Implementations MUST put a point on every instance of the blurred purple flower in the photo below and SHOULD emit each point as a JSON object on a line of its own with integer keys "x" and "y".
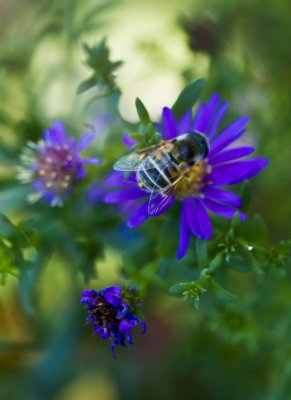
{"x": 199, "y": 191}
{"x": 111, "y": 316}
{"x": 53, "y": 165}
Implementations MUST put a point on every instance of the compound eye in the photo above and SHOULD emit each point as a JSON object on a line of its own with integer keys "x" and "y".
{"x": 201, "y": 145}
{"x": 185, "y": 151}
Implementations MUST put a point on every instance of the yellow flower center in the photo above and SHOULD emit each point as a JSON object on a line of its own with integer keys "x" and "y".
{"x": 193, "y": 180}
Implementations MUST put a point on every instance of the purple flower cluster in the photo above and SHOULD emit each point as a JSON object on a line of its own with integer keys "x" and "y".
{"x": 200, "y": 190}
{"x": 53, "y": 165}
{"x": 111, "y": 316}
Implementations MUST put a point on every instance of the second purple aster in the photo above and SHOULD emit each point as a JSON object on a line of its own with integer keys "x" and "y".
{"x": 191, "y": 165}
{"x": 53, "y": 165}
{"x": 111, "y": 315}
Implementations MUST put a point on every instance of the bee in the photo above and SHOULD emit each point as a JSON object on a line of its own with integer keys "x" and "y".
{"x": 161, "y": 167}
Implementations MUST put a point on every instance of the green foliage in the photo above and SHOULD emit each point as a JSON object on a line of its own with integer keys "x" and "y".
{"x": 13, "y": 243}
{"x": 235, "y": 342}
{"x": 103, "y": 70}
{"x": 142, "y": 112}
{"x": 280, "y": 256}
{"x": 146, "y": 134}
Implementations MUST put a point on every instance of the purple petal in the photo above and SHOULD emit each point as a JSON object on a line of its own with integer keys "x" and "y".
{"x": 222, "y": 196}
{"x": 237, "y": 171}
{"x": 128, "y": 337}
{"x": 201, "y": 119}
{"x": 222, "y": 209}
{"x": 231, "y": 154}
{"x": 59, "y": 127}
{"x": 103, "y": 332}
{"x": 123, "y": 310}
{"x": 87, "y": 295}
{"x": 49, "y": 137}
{"x": 80, "y": 172}
{"x": 142, "y": 324}
{"x": 203, "y": 219}
{"x": 185, "y": 234}
{"x": 91, "y": 160}
{"x": 139, "y": 216}
{"x": 217, "y": 119}
{"x": 84, "y": 141}
{"x": 127, "y": 325}
{"x": 231, "y": 133}
{"x": 124, "y": 195}
{"x": 212, "y": 109}
{"x": 56, "y": 134}
{"x": 169, "y": 123}
{"x": 192, "y": 218}
{"x": 128, "y": 141}
{"x": 212, "y": 103}
{"x": 116, "y": 178}
{"x": 205, "y": 114}
{"x": 184, "y": 125}
{"x": 112, "y": 295}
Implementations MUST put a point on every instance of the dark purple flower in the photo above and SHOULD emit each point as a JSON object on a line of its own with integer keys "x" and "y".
{"x": 200, "y": 191}
{"x": 53, "y": 165}
{"x": 111, "y": 316}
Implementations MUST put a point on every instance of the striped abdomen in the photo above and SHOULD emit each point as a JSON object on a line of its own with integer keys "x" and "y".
{"x": 158, "y": 172}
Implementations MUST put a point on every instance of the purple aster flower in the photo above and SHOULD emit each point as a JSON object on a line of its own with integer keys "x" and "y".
{"x": 53, "y": 165}
{"x": 199, "y": 191}
{"x": 111, "y": 316}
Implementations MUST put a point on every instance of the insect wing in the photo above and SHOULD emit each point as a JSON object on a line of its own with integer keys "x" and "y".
{"x": 159, "y": 201}
{"x": 130, "y": 162}
{"x": 137, "y": 160}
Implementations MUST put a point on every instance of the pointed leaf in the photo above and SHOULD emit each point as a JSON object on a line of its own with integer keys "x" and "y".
{"x": 142, "y": 112}
{"x": 87, "y": 84}
{"x": 201, "y": 253}
{"x": 188, "y": 97}
{"x": 222, "y": 293}
{"x": 177, "y": 289}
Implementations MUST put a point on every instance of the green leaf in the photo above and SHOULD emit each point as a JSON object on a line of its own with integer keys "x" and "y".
{"x": 147, "y": 135}
{"x": 235, "y": 222}
{"x": 142, "y": 112}
{"x": 177, "y": 289}
{"x": 221, "y": 293}
{"x": 7, "y": 261}
{"x": 196, "y": 303}
{"x": 216, "y": 262}
{"x": 102, "y": 68}
{"x": 201, "y": 253}
{"x": 188, "y": 97}
{"x": 6, "y": 227}
{"x": 136, "y": 136}
{"x": 86, "y": 85}
{"x": 246, "y": 195}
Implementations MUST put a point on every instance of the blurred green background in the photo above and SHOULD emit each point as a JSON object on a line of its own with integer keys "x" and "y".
{"x": 221, "y": 352}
